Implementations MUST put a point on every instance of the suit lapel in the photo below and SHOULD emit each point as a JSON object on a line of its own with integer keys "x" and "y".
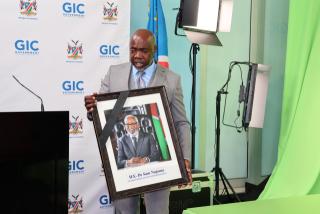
{"x": 159, "y": 77}
{"x": 123, "y": 78}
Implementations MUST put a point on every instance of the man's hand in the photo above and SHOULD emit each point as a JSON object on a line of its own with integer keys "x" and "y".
{"x": 90, "y": 102}
{"x": 189, "y": 174}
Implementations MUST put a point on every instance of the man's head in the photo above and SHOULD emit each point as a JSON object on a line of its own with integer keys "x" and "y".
{"x": 142, "y": 48}
{"x": 132, "y": 124}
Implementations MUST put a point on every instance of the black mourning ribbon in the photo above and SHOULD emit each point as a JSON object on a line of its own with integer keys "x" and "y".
{"x": 112, "y": 119}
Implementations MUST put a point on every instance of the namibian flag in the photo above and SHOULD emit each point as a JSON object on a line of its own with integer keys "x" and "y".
{"x": 159, "y": 132}
{"x": 157, "y": 25}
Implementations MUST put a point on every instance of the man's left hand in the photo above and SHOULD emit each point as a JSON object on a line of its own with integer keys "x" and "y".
{"x": 189, "y": 174}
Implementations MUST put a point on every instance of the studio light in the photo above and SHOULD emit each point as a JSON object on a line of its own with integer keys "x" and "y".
{"x": 202, "y": 19}
{"x": 256, "y": 95}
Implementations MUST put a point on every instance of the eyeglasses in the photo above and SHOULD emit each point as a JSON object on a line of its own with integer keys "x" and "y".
{"x": 131, "y": 124}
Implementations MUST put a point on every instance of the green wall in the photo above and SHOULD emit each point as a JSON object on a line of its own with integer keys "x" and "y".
{"x": 268, "y": 47}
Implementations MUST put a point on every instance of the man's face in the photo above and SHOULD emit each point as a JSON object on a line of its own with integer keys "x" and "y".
{"x": 141, "y": 52}
{"x": 132, "y": 126}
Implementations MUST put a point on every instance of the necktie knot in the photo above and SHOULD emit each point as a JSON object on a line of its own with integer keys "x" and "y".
{"x": 140, "y": 82}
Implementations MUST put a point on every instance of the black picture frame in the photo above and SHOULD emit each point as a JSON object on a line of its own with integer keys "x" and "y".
{"x": 159, "y": 146}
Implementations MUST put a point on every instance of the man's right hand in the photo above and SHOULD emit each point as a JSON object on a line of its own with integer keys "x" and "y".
{"x": 90, "y": 102}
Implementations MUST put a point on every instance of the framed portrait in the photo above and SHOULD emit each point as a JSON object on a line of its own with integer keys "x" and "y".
{"x": 141, "y": 152}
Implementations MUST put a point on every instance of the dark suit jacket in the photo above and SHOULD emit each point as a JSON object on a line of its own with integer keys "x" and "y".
{"x": 146, "y": 147}
{"x": 118, "y": 78}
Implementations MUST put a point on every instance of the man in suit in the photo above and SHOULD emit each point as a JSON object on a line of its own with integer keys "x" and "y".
{"x": 136, "y": 147}
{"x": 142, "y": 71}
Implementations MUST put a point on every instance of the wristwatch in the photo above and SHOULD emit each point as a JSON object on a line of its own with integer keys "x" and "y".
{"x": 146, "y": 160}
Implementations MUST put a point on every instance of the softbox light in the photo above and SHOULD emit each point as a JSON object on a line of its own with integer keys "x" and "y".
{"x": 201, "y": 19}
{"x": 256, "y": 95}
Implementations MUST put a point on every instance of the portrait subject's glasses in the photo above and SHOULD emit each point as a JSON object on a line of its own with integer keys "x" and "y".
{"x": 131, "y": 124}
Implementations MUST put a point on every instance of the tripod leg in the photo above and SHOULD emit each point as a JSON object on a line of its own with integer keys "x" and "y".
{"x": 215, "y": 196}
{"x": 216, "y": 182}
{"x": 224, "y": 179}
{"x": 224, "y": 183}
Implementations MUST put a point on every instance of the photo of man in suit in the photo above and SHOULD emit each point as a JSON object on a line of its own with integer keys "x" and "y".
{"x": 136, "y": 147}
{"x": 141, "y": 72}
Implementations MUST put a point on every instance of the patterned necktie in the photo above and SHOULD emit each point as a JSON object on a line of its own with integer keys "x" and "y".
{"x": 134, "y": 139}
{"x": 140, "y": 81}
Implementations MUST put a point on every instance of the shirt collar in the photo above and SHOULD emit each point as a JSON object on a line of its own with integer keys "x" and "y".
{"x": 148, "y": 71}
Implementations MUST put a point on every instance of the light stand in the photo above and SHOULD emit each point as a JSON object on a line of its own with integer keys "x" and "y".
{"x": 217, "y": 170}
{"x": 200, "y": 25}
{"x": 195, "y": 48}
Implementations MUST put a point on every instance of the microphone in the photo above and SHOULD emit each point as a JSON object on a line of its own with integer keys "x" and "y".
{"x": 42, "y": 107}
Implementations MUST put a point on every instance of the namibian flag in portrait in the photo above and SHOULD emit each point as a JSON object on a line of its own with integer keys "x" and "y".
{"x": 161, "y": 138}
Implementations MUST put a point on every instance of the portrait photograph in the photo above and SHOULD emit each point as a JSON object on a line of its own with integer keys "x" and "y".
{"x": 141, "y": 152}
{"x": 138, "y": 132}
